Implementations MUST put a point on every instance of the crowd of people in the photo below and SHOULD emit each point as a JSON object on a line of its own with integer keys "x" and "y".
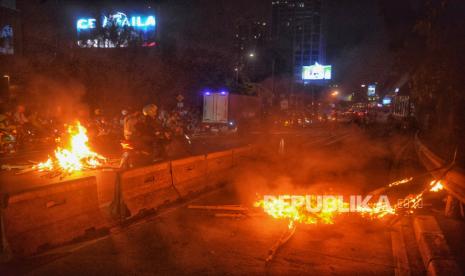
{"x": 21, "y": 125}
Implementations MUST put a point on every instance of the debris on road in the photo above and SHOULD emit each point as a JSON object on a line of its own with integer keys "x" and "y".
{"x": 220, "y": 207}
{"x": 285, "y": 237}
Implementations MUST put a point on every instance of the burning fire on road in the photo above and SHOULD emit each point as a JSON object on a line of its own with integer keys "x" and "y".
{"x": 323, "y": 209}
{"x": 77, "y": 156}
{"x": 314, "y": 209}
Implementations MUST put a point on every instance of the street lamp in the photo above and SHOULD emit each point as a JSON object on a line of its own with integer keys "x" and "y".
{"x": 8, "y": 78}
{"x": 335, "y": 93}
{"x": 251, "y": 55}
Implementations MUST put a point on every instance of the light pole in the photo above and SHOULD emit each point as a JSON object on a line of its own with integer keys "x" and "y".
{"x": 8, "y": 79}
{"x": 273, "y": 64}
{"x": 251, "y": 57}
{"x": 236, "y": 69}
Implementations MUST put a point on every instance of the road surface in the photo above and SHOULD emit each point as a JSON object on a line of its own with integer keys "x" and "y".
{"x": 179, "y": 240}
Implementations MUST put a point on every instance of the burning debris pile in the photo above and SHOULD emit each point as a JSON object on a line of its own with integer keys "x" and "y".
{"x": 320, "y": 209}
{"x": 324, "y": 209}
{"x": 76, "y": 156}
{"x": 300, "y": 209}
{"x": 313, "y": 210}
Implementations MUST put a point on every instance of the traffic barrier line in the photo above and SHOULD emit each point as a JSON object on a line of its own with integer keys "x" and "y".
{"x": 189, "y": 175}
{"x": 435, "y": 252}
{"x": 219, "y": 166}
{"x": 399, "y": 251}
{"x": 106, "y": 189}
{"x": 146, "y": 189}
{"x": 59, "y": 213}
{"x": 52, "y": 215}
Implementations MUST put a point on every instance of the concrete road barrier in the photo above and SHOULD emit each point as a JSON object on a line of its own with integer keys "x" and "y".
{"x": 42, "y": 215}
{"x": 189, "y": 174}
{"x": 434, "y": 250}
{"x": 219, "y": 166}
{"x": 106, "y": 190}
{"x": 147, "y": 188}
{"x": 51, "y": 215}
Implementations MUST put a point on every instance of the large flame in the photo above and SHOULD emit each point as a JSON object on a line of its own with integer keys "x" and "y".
{"x": 76, "y": 157}
{"x": 436, "y": 186}
{"x": 279, "y": 208}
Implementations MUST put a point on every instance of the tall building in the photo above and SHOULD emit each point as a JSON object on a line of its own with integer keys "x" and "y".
{"x": 9, "y": 43}
{"x": 251, "y": 38}
{"x": 297, "y": 33}
{"x": 9, "y": 27}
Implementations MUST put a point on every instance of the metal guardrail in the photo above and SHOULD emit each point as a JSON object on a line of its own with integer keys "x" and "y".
{"x": 453, "y": 175}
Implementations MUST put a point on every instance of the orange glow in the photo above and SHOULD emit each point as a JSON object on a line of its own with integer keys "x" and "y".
{"x": 76, "y": 157}
{"x": 294, "y": 209}
{"x": 125, "y": 145}
{"x": 436, "y": 186}
{"x": 400, "y": 182}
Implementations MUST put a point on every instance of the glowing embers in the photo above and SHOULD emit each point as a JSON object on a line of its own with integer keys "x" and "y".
{"x": 76, "y": 157}
{"x": 314, "y": 209}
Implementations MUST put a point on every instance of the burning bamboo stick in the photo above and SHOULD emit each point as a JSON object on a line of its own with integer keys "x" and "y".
{"x": 219, "y": 207}
{"x": 228, "y": 215}
{"x": 285, "y": 237}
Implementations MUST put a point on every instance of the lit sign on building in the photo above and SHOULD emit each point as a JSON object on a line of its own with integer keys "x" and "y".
{"x": 119, "y": 19}
{"x": 6, "y": 40}
{"x": 371, "y": 90}
{"x": 316, "y": 72}
{"x": 387, "y": 101}
{"x": 116, "y": 30}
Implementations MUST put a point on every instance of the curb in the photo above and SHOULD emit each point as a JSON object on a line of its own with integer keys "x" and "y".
{"x": 435, "y": 252}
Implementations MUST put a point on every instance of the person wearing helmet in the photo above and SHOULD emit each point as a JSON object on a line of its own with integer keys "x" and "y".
{"x": 150, "y": 111}
{"x": 130, "y": 125}
{"x": 122, "y": 117}
{"x": 153, "y": 129}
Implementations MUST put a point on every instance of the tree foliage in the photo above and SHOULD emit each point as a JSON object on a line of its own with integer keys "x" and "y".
{"x": 431, "y": 47}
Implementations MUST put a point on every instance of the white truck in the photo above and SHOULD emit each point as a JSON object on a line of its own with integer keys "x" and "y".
{"x": 225, "y": 110}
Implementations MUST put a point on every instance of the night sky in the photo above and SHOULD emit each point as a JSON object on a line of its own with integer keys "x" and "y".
{"x": 355, "y": 35}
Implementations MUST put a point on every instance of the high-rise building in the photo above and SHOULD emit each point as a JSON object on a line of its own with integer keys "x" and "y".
{"x": 297, "y": 33}
{"x": 251, "y": 38}
{"x": 9, "y": 27}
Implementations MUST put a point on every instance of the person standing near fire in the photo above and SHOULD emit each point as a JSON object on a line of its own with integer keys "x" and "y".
{"x": 145, "y": 135}
{"x": 154, "y": 131}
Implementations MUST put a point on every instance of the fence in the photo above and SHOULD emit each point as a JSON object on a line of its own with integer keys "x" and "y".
{"x": 58, "y": 213}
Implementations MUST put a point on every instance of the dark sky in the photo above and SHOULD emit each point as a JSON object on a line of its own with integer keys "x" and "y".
{"x": 355, "y": 36}
{"x": 357, "y": 41}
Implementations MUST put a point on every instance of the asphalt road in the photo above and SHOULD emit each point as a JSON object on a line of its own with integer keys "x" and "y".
{"x": 179, "y": 240}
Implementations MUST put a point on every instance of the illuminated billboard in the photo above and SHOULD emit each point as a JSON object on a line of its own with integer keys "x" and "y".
{"x": 316, "y": 72}
{"x": 6, "y": 40}
{"x": 371, "y": 90}
{"x": 117, "y": 30}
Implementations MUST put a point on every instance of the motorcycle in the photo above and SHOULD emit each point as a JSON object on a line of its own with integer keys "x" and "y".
{"x": 133, "y": 156}
{"x": 8, "y": 142}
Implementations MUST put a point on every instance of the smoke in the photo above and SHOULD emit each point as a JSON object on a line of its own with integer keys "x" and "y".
{"x": 57, "y": 98}
{"x": 356, "y": 164}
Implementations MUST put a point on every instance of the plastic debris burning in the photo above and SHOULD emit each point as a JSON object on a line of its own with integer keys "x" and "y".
{"x": 76, "y": 157}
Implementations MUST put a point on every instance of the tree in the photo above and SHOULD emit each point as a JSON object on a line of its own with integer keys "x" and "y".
{"x": 430, "y": 46}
